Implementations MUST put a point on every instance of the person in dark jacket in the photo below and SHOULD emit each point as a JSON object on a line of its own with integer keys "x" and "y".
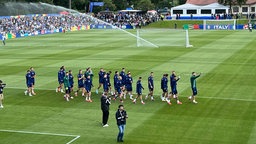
{"x": 105, "y": 102}
{"x": 121, "y": 117}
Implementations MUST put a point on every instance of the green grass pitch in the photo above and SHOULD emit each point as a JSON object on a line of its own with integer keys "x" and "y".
{"x": 225, "y": 113}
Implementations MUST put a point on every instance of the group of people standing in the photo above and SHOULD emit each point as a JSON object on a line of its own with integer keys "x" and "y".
{"x": 123, "y": 85}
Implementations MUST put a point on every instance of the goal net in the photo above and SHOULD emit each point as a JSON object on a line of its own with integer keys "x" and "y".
{"x": 163, "y": 37}
{"x": 220, "y": 24}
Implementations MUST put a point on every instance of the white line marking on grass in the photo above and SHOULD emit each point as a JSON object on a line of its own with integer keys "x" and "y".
{"x": 217, "y": 98}
{"x": 44, "y": 133}
{"x": 234, "y": 99}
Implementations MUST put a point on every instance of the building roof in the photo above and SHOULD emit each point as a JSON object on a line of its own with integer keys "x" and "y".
{"x": 206, "y": 2}
{"x": 201, "y": 2}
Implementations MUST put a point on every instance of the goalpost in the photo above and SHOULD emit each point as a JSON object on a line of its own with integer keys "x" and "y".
{"x": 163, "y": 37}
{"x": 228, "y": 24}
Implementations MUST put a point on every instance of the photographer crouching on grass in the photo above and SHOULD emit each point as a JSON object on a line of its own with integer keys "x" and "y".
{"x": 2, "y": 85}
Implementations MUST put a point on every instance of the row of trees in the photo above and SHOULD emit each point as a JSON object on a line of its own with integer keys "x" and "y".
{"x": 113, "y": 5}
{"x": 82, "y": 5}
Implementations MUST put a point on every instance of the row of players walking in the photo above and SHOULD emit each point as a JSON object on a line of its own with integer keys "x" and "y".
{"x": 122, "y": 85}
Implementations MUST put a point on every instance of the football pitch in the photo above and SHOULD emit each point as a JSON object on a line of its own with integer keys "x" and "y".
{"x": 225, "y": 113}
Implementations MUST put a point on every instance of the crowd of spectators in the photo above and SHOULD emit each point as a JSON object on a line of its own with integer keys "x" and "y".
{"x": 136, "y": 19}
{"x": 31, "y": 24}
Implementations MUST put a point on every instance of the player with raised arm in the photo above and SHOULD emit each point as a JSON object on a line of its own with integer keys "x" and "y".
{"x": 101, "y": 77}
{"x": 151, "y": 86}
{"x": 80, "y": 82}
{"x": 139, "y": 88}
{"x": 193, "y": 87}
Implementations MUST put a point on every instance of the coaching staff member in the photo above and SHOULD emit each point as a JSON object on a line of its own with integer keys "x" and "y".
{"x": 105, "y": 102}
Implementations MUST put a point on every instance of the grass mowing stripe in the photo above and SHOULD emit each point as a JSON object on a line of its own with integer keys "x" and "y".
{"x": 43, "y": 133}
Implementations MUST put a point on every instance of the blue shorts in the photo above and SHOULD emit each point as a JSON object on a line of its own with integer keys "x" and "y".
{"x": 174, "y": 91}
{"x": 194, "y": 91}
{"x": 139, "y": 93}
{"x": 119, "y": 91}
{"x": 33, "y": 81}
{"x": 88, "y": 90}
{"x": 150, "y": 89}
{"x": 80, "y": 85}
{"x": 128, "y": 88}
{"x": 165, "y": 90}
{"x": 67, "y": 90}
{"x": 61, "y": 81}
{"x": 29, "y": 85}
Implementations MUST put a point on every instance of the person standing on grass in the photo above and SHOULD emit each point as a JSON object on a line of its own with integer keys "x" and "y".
{"x": 174, "y": 92}
{"x": 71, "y": 80}
{"x": 128, "y": 85}
{"x": 28, "y": 83}
{"x": 87, "y": 87}
{"x": 123, "y": 75}
{"x": 33, "y": 75}
{"x": 2, "y": 85}
{"x": 139, "y": 88}
{"x": 61, "y": 75}
{"x": 121, "y": 117}
{"x": 3, "y": 39}
{"x": 105, "y": 83}
{"x": 115, "y": 82}
{"x": 193, "y": 87}
{"x": 119, "y": 86}
{"x": 105, "y": 102}
{"x": 101, "y": 77}
{"x": 80, "y": 82}
{"x": 164, "y": 87}
{"x": 67, "y": 86}
{"x": 151, "y": 86}
{"x": 109, "y": 84}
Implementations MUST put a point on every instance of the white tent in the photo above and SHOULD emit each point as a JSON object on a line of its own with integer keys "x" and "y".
{"x": 187, "y": 9}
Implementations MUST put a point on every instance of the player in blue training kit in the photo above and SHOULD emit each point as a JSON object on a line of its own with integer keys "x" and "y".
{"x": 128, "y": 85}
{"x": 109, "y": 83}
{"x": 119, "y": 86}
{"x": 80, "y": 82}
{"x": 29, "y": 83}
{"x": 151, "y": 86}
{"x": 88, "y": 86}
{"x": 101, "y": 77}
{"x": 61, "y": 75}
{"x": 2, "y": 85}
{"x": 115, "y": 82}
{"x": 123, "y": 75}
{"x": 174, "y": 92}
{"x": 33, "y": 75}
{"x": 164, "y": 87}
{"x": 71, "y": 82}
{"x": 105, "y": 83}
{"x": 139, "y": 88}
{"x": 193, "y": 86}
